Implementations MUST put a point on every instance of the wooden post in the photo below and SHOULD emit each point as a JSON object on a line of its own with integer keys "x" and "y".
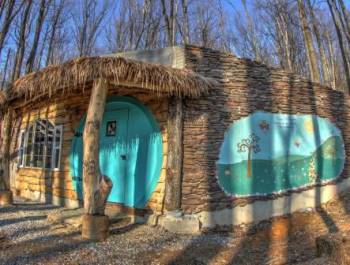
{"x": 173, "y": 183}
{"x": 6, "y": 197}
{"x": 96, "y": 187}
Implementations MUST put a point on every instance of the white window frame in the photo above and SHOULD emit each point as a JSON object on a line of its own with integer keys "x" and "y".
{"x": 54, "y": 148}
{"x": 22, "y": 149}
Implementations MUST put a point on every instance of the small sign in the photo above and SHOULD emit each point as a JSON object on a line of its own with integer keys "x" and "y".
{"x": 111, "y": 129}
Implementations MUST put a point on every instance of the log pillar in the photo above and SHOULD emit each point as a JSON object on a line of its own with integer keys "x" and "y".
{"x": 6, "y": 196}
{"x": 95, "y": 225}
{"x": 173, "y": 183}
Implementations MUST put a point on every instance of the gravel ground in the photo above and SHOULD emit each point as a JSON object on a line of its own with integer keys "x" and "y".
{"x": 26, "y": 237}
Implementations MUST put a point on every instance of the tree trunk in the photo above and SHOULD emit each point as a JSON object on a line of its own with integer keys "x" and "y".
{"x": 173, "y": 183}
{"x": 185, "y": 24}
{"x": 6, "y": 22}
{"x": 310, "y": 51}
{"x": 333, "y": 71}
{"x": 39, "y": 24}
{"x": 96, "y": 187}
{"x": 95, "y": 224}
{"x": 346, "y": 15}
{"x": 341, "y": 44}
{"x": 169, "y": 21}
{"x": 2, "y": 86}
{"x": 21, "y": 42}
{"x": 343, "y": 19}
{"x": 251, "y": 32}
{"x": 325, "y": 68}
{"x": 2, "y": 7}
{"x": 5, "y": 193}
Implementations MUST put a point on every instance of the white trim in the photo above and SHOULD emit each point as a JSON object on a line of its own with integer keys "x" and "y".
{"x": 55, "y": 148}
{"x": 21, "y": 148}
{"x": 25, "y": 133}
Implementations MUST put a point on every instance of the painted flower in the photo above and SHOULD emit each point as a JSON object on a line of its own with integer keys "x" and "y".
{"x": 264, "y": 126}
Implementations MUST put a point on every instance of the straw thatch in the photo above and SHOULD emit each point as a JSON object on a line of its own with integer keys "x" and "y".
{"x": 74, "y": 74}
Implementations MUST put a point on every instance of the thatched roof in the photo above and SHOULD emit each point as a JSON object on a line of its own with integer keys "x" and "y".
{"x": 74, "y": 74}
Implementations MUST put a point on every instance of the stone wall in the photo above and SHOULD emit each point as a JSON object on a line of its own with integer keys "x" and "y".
{"x": 56, "y": 186}
{"x": 244, "y": 86}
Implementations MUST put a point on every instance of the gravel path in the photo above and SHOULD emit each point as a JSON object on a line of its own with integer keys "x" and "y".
{"x": 26, "y": 237}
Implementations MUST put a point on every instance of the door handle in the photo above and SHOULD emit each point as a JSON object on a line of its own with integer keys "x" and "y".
{"x": 123, "y": 157}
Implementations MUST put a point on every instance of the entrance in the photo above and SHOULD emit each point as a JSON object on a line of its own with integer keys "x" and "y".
{"x": 131, "y": 152}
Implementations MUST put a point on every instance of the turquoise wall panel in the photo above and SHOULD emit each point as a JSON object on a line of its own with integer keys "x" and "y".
{"x": 131, "y": 155}
{"x": 268, "y": 153}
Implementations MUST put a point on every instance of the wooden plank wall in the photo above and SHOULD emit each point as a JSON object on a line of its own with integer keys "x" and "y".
{"x": 67, "y": 110}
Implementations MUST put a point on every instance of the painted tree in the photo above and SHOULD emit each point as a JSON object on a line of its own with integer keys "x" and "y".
{"x": 251, "y": 145}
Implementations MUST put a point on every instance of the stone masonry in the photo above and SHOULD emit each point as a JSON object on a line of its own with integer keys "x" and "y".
{"x": 244, "y": 86}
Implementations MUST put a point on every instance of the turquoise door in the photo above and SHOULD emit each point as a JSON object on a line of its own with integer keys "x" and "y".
{"x": 113, "y": 151}
{"x": 130, "y": 152}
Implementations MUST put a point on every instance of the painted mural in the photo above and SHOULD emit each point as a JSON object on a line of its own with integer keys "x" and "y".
{"x": 268, "y": 153}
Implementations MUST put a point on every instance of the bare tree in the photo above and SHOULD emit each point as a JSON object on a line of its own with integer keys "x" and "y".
{"x": 21, "y": 40}
{"x": 338, "y": 30}
{"x": 2, "y": 7}
{"x": 251, "y": 33}
{"x": 9, "y": 52}
{"x": 170, "y": 20}
{"x": 54, "y": 24}
{"x": 87, "y": 22}
{"x": 137, "y": 25}
{"x": 345, "y": 14}
{"x": 41, "y": 32}
{"x": 344, "y": 19}
{"x": 185, "y": 22}
{"x": 41, "y": 49}
{"x": 331, "y": 58}
{"x": 276, "y": 36}
{"x": 11, "y": 13}
{"x": 146, "y": 8}
{"x": 310, "y": 50}
{"x": 325, "y": 68}
{"x": 38, "y": 27}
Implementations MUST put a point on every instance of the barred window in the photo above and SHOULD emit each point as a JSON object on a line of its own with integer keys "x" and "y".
{"x": 40, "y": 145}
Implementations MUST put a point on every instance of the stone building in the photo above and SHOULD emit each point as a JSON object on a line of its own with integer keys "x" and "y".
{"x": 192, "y": 138}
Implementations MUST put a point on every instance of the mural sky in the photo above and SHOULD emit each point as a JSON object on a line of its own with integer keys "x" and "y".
{"x": 277, "y": 135}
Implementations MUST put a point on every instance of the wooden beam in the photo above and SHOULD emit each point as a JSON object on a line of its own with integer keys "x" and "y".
{"x": 6, "y": 197}
{"x": 96, "y": 187}
{"x": 5, "y": 151}
{"x": 173, "y": 183}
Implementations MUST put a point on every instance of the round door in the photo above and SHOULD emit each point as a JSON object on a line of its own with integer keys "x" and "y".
{"x": 131, "y": 152}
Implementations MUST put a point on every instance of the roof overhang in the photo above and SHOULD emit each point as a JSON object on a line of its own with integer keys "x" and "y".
{"x": 75, "y": 74}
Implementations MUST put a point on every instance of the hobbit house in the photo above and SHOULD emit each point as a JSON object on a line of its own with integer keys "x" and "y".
{"x": 190, "y": 138}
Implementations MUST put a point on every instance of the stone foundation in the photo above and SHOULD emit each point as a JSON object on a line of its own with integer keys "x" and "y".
{"x": 254, "y": 212}
{"x": 41, "y": 197}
